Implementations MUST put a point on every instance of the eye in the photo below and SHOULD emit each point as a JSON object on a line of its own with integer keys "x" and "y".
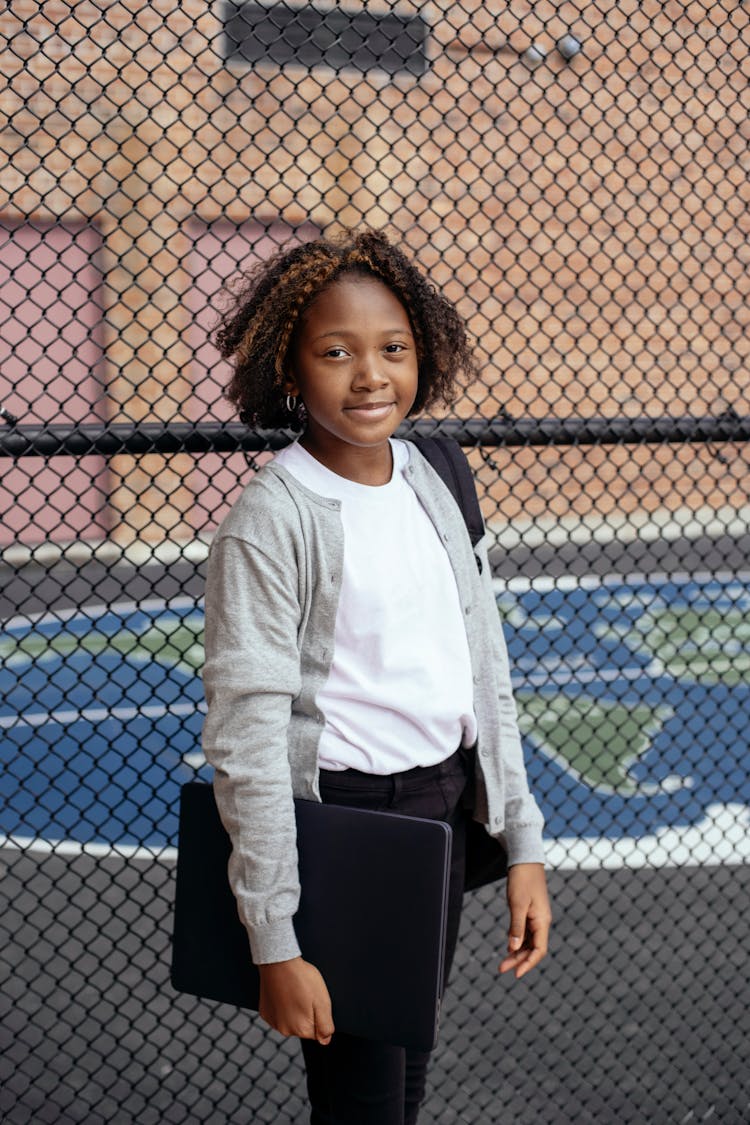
{"x": 336, "y": 352}
{"x": 394, "y": 349}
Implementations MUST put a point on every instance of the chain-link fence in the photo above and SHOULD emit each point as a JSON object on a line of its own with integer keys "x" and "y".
{"x": 575, "y": 176}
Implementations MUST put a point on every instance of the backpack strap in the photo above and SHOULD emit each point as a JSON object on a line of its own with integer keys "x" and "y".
{"x": 449, "y": 461}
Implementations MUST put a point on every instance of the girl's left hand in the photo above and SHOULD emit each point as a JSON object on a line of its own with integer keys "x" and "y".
{"x": 530, "y": 918}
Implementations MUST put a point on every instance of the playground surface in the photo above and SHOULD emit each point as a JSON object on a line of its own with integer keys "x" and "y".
{"x": 633, "y": 698}
{"x": 633, "y": 695}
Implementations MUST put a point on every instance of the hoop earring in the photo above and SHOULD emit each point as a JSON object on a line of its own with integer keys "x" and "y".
{"x": 291, "y": 403}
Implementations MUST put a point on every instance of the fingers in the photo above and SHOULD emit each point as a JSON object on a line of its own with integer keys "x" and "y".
{"x": 324, "y": 1028}
{"x": 524, "y": 959}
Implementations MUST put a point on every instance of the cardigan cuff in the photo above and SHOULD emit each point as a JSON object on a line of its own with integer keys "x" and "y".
{"x": 273, "y": 941}
{"x": 524, "y": 844}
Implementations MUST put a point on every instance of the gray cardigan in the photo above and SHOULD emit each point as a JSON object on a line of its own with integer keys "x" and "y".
{"x": 272, "y": 589}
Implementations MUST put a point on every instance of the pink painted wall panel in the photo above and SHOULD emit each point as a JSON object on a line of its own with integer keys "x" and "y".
{"x": 50, "y": 371}
{"x": 62, "y": 501}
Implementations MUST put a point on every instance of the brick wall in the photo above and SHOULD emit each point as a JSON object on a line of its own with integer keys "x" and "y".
{"x": 590, "y": 216}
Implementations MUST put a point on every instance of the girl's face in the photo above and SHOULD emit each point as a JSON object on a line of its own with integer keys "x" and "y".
{"x": 355, "y": 366}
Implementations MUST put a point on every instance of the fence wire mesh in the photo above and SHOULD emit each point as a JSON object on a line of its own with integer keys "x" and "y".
{"x": 575, "y": 176}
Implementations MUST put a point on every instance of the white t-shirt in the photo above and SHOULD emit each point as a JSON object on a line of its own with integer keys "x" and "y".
{"x": 399, "y": 693}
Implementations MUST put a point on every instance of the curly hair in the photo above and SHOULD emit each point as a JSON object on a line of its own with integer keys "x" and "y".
{"x": 257, "y": 327}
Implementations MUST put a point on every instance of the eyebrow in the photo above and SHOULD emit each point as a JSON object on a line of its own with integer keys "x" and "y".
{"x": 347, "y": 332}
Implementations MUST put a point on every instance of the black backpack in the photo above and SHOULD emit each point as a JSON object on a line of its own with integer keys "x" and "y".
{"x": 449, "y": 461}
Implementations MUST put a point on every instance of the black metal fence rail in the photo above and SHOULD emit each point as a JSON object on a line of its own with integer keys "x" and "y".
{"x": 203, "y": 437}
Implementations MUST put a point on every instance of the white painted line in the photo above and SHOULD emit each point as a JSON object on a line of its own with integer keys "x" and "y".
{"x": 662, "y": 525}
{"x": 69, "y": 848}
{"x": 721, "y": 839}
{"x": 194, "y": 759}
{"x": 79, "y": 552}
{"x": 100, "y": 714}
{"x": 100, "y": 609}
{"x": 578, "y": 676}
{"x": 566, "y": 582}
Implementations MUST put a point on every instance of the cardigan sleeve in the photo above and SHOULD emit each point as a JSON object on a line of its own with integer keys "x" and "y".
{"x": 251, "y": 675}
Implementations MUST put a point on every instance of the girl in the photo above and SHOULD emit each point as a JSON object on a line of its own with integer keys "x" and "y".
{"x": 353, "y": 651}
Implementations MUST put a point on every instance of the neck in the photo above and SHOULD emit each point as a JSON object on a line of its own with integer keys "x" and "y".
{"x": 372, "y": 465}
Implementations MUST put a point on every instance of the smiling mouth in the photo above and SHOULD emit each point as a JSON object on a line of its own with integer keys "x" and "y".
{"x": 370, "y": 406}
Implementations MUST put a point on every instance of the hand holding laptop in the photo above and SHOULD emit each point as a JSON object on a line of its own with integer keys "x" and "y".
{"x": 294, "y": 1000}
{"x": 371, "y": 920}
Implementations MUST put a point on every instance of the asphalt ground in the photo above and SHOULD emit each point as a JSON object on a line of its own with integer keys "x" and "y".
{"x": 640, "y": 1014}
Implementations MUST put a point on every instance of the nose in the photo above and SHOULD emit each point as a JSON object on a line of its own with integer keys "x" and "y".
{"x": 368, "y": 374}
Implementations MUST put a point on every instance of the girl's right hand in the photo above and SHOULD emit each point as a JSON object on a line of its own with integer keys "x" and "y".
{"x": 295, "y": 1001}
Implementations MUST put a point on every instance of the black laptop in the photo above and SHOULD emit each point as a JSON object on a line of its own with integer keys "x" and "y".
{"x": 372, "y": 915}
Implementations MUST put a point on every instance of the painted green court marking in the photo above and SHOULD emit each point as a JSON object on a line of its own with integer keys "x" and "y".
{"x": 705, "y": 644}
{"x": 598, "y": 740}
{"x": 176, "y": 642}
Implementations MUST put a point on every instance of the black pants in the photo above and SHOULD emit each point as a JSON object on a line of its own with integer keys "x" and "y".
{"x": 354, "y": 1081}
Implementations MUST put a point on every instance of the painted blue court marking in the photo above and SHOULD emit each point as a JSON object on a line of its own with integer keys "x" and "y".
{"x": 96, "y": 740}
{"x": 101, "y": 710}
{"x": 623, "y": 645}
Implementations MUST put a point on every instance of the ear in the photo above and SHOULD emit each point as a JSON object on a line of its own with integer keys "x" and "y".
{"x": 289, "y": 384}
